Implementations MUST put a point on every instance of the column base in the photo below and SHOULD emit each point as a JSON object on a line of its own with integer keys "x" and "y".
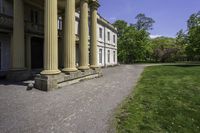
{"x": 94, "y": 66}
{"x": 50, "y": 72}
{"x": 69, "y": 70}
{"x": 18, "y": 75}
{"x": 83, "y": 68}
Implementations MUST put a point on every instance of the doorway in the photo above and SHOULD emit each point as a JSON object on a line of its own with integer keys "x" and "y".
{"x": 37, "y": 53}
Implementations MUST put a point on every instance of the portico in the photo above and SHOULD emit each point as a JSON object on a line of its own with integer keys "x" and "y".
{"x": 52, "y": 75}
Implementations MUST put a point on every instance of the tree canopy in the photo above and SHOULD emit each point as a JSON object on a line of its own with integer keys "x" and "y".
{"x": 135, "y": 44}
{"x": 194, "y": 20}
{"x": 193, "y": 36}
{"x": 143, "y": 22}
{"x": 193, "y": 49}
{"x": 131, "y": 42}
{"x": 121, "y": 26}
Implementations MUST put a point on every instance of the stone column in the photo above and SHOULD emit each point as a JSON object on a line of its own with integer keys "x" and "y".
{"x": 51, "y": 39}
{"x": 93, "y": 35}
{"x": 18, "y": 47}
{"x": 69, "y": 37}
{"x": 84, "y": 33}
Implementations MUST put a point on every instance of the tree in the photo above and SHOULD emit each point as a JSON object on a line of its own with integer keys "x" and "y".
{"x": 193, "y": 49}
{"x": 181, "y": 42}
{"x": 133, "y": 43}
{"x": 143, "y": 22}
{"x": 121, "y": 25}
{"x": 164, "y": 49}
{"x": 194, "y": 20}
{"x": 181, "y": 38}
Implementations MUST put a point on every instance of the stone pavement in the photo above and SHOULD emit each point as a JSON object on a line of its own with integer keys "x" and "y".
{"x": 85, "y": 107}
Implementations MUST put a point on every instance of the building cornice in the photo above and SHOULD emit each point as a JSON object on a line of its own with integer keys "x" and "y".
{"x": 106, "y": 23}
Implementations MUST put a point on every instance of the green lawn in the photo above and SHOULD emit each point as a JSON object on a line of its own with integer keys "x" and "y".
{"x": 166, "y": 100}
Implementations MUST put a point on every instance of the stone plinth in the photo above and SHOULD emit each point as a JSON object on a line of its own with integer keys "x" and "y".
{"x": 46, "y": 82}
{"x": 53, "y": 82}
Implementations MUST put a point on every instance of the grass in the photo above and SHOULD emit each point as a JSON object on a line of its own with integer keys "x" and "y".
{"x": 166, "y": 100}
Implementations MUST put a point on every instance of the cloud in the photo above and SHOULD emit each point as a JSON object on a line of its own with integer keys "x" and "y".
{"x": 155, "y": 36}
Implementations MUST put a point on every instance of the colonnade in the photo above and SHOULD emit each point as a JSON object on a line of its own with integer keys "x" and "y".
{"x": 51, "y": 37}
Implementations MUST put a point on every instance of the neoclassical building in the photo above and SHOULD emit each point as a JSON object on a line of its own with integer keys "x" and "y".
{"x": 58, "y": 41}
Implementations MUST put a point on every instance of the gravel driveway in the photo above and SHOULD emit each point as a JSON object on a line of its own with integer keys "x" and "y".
{"x": 85, "y": 107}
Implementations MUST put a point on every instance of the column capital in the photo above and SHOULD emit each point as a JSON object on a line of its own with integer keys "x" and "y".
{"x": 85, "y": 1}
{"x": 94, "y": 4}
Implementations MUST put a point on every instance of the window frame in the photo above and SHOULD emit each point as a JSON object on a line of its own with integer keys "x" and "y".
{"x": 114, "y": 39}
{"x": 108, "y": 36}
{"x": 100, "y": 56}
{"x": 100, "y": 33}
{"x": 108, "y": 54}
{"x": 114, "y": 56}
{"x": 34, "y": 16}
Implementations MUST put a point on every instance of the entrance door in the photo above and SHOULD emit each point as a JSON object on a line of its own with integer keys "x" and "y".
{"x": 37, "y": 47}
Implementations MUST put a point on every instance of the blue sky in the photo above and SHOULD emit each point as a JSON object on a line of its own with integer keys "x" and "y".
{"x": 170, "y": 15}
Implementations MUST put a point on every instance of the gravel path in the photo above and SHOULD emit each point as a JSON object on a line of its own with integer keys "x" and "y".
{"x": 85, "y": 107}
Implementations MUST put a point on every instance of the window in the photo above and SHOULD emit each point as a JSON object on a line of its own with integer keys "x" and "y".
{"x": 100, "y": 33}
{"x": 114, "y": 39}
{"x": 34, "y": 16}
{"x": 100, "y": 56}
{"x": 59, "y": 23}
{"x": 114, "y": 55}
{"x": 108, "y": 56}
{"x": 108, "y": 36}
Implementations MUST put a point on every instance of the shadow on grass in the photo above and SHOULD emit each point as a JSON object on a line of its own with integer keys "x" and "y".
{"x": 184, "y": 65}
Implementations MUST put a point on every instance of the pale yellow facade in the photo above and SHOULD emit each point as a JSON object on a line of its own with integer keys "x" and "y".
{"x": 60, "y": 36}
